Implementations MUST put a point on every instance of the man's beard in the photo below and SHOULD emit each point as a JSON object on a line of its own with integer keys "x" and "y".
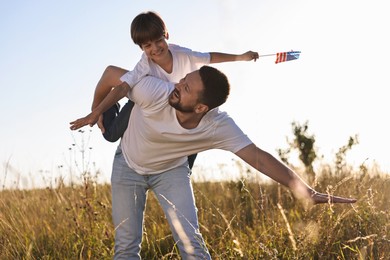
{"x": 176, "y": 105}
{"x": 181, "y": 108}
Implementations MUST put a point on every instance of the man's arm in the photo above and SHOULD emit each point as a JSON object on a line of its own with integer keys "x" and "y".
{"x": 217, "y": 57}
{"x": 113, "y": 96}
{"x": 276, "y": 170}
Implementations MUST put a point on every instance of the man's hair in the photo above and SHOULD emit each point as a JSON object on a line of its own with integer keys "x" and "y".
{"x": 216, "y": 87}
{"x": 147, "y": 26}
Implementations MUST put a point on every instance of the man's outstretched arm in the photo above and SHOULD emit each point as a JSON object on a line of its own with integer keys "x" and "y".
{"x": 114, "y": 96}
{"x": 276, "y": 170}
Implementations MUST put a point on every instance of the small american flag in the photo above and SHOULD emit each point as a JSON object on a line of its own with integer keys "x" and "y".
{"x": 286, "y": 56}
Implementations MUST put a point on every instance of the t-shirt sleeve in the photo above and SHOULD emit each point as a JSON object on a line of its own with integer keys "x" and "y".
{"x": 200, "y": 58}
{"x": 140, "y": 70}
{"x": 196, "y": 57}
{"x": 150, "y": 92}
{"x": 229, "y": 136}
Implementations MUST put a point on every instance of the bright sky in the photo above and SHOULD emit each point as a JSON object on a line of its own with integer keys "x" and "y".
{"x": 52, "y": 54}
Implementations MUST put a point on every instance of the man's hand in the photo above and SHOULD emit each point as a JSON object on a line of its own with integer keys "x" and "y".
{"x": 307, "y": 194}
{"x": 319, "y": 198}
{"x": 90, "y": 120}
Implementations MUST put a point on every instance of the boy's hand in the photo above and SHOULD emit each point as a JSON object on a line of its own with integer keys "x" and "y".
{"x": 249, "y": 55}
{"x": 90, "y": 120}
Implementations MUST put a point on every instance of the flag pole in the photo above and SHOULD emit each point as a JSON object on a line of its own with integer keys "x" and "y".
{"x": 265, "y": 55}
{"x": 273, "y": 54}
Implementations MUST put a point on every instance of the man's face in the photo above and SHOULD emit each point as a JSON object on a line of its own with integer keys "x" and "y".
{"x": 185, "y": 96}
{"x": 156, "y": 49}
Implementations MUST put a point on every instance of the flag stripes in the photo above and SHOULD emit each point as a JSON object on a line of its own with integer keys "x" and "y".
{"x": 286, "y": 56}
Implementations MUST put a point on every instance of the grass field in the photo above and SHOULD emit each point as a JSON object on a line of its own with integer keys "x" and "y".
{"x": 239, "y": 220}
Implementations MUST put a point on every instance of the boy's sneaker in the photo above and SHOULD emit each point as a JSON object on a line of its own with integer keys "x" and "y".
{"x": 117, "y": 107}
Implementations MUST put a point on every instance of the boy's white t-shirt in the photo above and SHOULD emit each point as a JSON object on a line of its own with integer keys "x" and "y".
{"x": 184, "y": 61}
{"x": 155, "y": 142}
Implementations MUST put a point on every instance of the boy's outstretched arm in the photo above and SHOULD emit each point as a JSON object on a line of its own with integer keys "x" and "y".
{"x": 217, "y": 57}
{"x": 113, "y": 96}
{"x": 273, "y": 168}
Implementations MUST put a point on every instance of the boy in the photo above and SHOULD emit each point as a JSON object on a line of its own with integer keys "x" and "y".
{"x": 160, "y": 59}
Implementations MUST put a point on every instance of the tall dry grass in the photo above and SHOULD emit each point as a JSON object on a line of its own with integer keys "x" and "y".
{"x": 239, "y": 220}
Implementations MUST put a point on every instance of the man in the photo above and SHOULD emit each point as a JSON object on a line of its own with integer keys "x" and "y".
{"x": 168, "y": 122}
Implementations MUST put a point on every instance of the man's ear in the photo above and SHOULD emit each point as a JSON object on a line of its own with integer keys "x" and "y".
{"x": 167, "y": 36}
{"x": 201, "y": 108}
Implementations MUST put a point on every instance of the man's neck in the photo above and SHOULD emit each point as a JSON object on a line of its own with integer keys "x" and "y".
{"x": 189, "y": 120}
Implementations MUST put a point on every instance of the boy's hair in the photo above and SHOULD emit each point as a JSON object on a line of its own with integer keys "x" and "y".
{"x": 147, "y": 26}
{"x": 216, "y": 87}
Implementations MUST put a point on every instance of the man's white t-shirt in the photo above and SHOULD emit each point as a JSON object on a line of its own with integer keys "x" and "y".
{"x": 155, "y": 142}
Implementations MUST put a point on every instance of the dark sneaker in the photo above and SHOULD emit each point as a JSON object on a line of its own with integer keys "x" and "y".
{"x": 117, "y": 107}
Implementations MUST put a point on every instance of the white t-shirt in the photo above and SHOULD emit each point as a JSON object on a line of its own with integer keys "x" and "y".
{"x": 184, "y": 61}
{"x": 155, "y": 142}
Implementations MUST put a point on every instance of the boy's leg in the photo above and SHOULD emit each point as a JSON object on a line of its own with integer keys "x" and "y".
{"x": 191, "y": 160}
{"x": 128, "y": 204}
{"x": 108, "y": 119}
{"x": 115, "y": 125}
{"x": 174, "y": 192}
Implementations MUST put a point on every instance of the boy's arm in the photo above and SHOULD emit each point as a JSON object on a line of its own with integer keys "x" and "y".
{"x": 109, "y": 80}
{"x": 113, "y": 96}
{"x": 113, "y": 76}
{"x": 217, "y": 57}
{"x": 270, "y": 166}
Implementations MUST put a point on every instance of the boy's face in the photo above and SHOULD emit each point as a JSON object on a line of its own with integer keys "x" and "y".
{"x": 156, "y": 49}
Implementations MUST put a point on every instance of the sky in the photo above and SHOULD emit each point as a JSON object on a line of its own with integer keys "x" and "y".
{"x": 52, "y": 54}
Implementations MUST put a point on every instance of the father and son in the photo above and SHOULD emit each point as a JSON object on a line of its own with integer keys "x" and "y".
{"x": 172, "y": 114}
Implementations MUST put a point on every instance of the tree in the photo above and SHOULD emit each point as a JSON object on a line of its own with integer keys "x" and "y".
{"x": 340, "y": 158}
{"x": 304, "y": 143}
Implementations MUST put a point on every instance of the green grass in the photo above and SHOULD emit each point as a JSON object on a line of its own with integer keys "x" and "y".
{"x": 239, "y": 220}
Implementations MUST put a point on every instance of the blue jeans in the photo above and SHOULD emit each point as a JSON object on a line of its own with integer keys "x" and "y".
{"x": 174, "y": 192}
